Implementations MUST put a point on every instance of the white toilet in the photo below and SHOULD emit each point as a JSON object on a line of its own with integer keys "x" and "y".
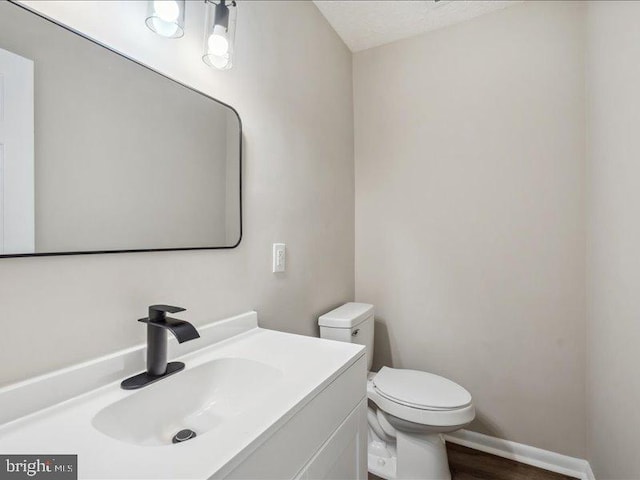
{"x": 409, "y": 410}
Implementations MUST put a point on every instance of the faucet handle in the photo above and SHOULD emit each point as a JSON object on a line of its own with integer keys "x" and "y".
{"x": 158, "y": 313}
{"x": 165, "y": 309}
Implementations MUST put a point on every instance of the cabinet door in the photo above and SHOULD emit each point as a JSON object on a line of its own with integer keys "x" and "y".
{"x": 286, "y": 453}
{"x": 344, "y": 455}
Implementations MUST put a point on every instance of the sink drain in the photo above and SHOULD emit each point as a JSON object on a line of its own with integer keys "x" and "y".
{"x": 183, "y": 436}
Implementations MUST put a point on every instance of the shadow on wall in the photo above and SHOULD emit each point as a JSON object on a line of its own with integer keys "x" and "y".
{"x": 381, "y": 347}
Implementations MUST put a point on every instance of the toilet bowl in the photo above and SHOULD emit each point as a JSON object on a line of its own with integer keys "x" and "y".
{"x": 409, "y": 410}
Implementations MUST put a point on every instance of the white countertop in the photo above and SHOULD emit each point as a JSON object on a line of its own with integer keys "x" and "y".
{"x": 308, "y": 365}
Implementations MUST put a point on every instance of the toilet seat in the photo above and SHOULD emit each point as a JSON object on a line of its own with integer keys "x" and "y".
{"x": 405, "y": 395}
{"x": 421, "y": 390}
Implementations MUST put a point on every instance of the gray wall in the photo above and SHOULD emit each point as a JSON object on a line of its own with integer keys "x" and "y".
{"x": 613, "y": 77}
{"x": 292, "y": 85}
{"x": 469, "y": 148}
{"x": 125, "y": 158}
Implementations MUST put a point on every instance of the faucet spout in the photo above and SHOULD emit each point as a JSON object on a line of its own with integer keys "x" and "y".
{"x": 157, "y": 326}
{"x": 183, "y": 331}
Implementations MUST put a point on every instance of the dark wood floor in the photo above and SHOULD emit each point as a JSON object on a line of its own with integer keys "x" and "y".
{"x": 468, "y": 464}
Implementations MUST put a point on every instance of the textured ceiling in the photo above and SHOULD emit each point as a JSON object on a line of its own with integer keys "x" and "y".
{"x": 364, "y": 24}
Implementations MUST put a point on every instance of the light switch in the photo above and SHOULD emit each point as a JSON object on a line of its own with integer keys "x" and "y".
{"x": 279, "y": 257}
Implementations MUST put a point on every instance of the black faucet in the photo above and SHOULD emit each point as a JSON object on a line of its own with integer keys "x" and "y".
{"x": 157, "y": 325}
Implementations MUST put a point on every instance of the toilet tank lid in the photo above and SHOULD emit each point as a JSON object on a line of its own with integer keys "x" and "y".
{"x": 347, "y": 316}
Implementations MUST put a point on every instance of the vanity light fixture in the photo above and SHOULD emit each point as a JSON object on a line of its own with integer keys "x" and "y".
{"x": 166, "y": 17}
{"x": 219, "y": 33}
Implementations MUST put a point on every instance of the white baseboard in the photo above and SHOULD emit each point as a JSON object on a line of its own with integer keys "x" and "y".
{"x": 554, "y": 462}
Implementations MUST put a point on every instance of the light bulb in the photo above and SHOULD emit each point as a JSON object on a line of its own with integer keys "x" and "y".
{"x": 218, "y": 43}
{"x": 220, "y": 30}
{"x": 167, "y": 10}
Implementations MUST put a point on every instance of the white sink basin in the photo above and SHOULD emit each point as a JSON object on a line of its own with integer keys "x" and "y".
{"x": 200, "y": 399}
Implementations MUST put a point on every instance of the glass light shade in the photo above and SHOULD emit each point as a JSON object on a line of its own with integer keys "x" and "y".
{"x": 219, "y": 33}
{"x": 166, "y": 17}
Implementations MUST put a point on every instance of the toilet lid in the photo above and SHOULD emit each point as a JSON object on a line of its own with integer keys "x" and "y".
{"x": 420, "y": 389}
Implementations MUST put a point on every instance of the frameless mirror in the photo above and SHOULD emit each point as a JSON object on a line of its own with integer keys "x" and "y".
{"x": 99, "y": 153}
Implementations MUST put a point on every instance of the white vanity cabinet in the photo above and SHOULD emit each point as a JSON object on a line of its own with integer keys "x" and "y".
{"x": 324, "y": 439}
{"x": 344, "y": 455}
{"x": 264, "y": 405}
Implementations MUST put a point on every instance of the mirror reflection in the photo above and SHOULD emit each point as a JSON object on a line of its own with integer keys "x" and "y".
{"x": 100, "y": 153}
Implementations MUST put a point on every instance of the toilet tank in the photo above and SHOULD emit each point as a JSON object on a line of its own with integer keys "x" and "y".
{"x": 353, "y": 323}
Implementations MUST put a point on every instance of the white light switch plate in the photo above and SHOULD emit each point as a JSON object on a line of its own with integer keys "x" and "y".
{"x": 279, "y": 257}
